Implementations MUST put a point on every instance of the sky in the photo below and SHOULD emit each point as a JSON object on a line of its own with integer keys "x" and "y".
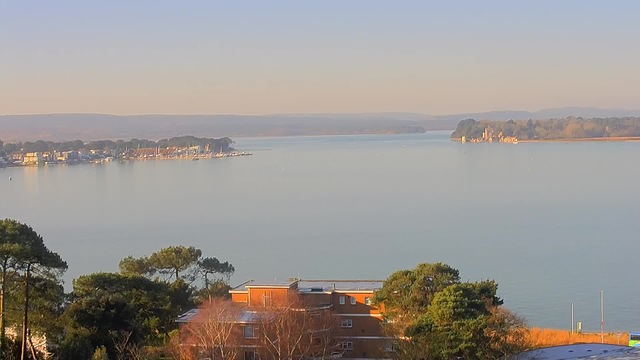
{"x": 262, "y": 57}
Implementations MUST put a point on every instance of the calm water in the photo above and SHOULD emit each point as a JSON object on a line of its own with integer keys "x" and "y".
{"x": 552, "y": 223}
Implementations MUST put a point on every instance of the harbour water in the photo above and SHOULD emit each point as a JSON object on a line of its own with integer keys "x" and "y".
{"x": 553, "y": 223}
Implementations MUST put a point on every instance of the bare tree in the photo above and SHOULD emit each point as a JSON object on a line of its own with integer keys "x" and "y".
{"x": 507, "y": 333}
{"x": 175, "y": 349}
{"x": 292, "y": 329}
{"x": 215, "y": 331}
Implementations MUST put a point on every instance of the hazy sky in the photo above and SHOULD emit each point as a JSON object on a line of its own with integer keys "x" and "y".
{"x": 256, "y": 57}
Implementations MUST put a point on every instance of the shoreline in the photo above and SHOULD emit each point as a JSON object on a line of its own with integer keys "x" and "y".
{"x": 158, "y": 158}
{"x": 602, "y": 139}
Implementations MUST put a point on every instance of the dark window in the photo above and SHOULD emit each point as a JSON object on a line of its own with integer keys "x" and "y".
{"x": 634, "y": 337}
{"x": 249, "y": 332}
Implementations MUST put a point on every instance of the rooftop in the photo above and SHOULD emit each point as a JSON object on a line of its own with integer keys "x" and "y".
{"x": 314, "y": 285}
{"x": 244, "y": 317}
{"x": 339, "y": 285}
{"x": 253, "y": 283}
{"x": 275, "y": 283}
{"x": 581, "y": 351}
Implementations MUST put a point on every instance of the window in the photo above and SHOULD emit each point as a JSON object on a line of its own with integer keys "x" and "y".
{"x": 267, "y": 299}
{"x": 346, "y": 345}
{"x": 353, "y": 300}
{"x": 342, "y": 300}
{"x": 389, "y": 346}
{"x": 250, "y": 355}
{"x": 346, "y": 323}
{"x": 249, "y": 332}
{"x": 367, "y": 300}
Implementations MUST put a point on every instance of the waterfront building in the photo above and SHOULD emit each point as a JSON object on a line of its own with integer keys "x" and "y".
{"x": 33, "y": 158}
{"x": 70, "y": 156}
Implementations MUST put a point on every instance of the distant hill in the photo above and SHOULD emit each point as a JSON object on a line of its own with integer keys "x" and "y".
{"x": 60, "y": 127}
{"x": 544, "y": 114}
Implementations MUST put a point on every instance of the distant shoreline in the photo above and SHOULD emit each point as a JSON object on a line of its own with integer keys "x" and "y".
{"x": 602, "y": 139}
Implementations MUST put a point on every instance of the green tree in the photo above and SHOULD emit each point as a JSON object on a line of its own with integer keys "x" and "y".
{"x": 36, "y": 258}
{"x": 456, "y": 323}
{"x": 410, "y": 292}
{"x": 104, "y": 304}
{"x": 75, "y": 347}
{"x": 12, "y": 235}
{"x": 46, "y": 305}
{"x": 23, "y": 252}
{"x": 10, "y": 148}
{"x": 432, "y": 315}
{"x": 220, "y": 271}
{"x": 174, "y": 260}
{"x": 215, "y": 289}
{"x": 136, "y": 266}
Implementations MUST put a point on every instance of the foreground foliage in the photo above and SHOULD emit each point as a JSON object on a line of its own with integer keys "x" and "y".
{"x": 127, "y": 315}
{"x": 432, "y": 315}
{"x": 429, "y": 312}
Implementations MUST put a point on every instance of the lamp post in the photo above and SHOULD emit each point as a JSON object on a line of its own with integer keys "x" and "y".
{"x": 572, "y": 319}
{"x": 602, "y": 316}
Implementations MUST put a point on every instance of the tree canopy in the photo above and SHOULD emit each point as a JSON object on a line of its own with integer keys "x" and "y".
{"x": 432, "y": 315}
{"x": 174, "y": 262}
{"x": 553, "y": 129}
{"x": 108, "y": 314}
{"x": 24, "y": 256}
{"x": 411, "y": 291}
{"x": 216, "y": 145}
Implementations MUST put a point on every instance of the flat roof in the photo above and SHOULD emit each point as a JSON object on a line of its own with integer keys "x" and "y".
{"x": 188, "y": 316}
{"x": 581, "y": 351}
{"x": 270, "y": 283}
{"x": 254, "y": 283}
{"x": 339, "y": 285}
{"x": 314, "y": 285}
{"x": 244, "y": 317}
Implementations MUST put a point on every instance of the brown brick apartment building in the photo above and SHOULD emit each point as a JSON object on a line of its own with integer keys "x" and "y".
{"x": 349, "y": 301}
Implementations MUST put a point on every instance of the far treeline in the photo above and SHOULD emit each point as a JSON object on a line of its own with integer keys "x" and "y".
{"x": 216, "y": 145}
{"x": 553, "y": 129}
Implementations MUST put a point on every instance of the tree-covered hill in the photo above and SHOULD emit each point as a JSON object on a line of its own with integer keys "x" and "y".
{"x": 216, "y": 145}
{"x": 553, "y": 129}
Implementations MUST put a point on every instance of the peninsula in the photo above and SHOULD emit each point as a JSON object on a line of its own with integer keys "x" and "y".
{"x": 72, "y": 152}
{"x": 565, "y": 129}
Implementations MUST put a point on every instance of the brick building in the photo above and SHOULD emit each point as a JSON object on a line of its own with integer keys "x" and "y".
{"x": 359, "y": 333}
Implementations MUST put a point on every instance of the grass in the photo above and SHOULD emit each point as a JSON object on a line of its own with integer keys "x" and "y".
{"x": 538, "y": 337}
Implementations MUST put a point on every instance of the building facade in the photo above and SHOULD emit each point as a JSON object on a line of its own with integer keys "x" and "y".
{"x": 34, "y": 158}
{"x": 350, "y": 302}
